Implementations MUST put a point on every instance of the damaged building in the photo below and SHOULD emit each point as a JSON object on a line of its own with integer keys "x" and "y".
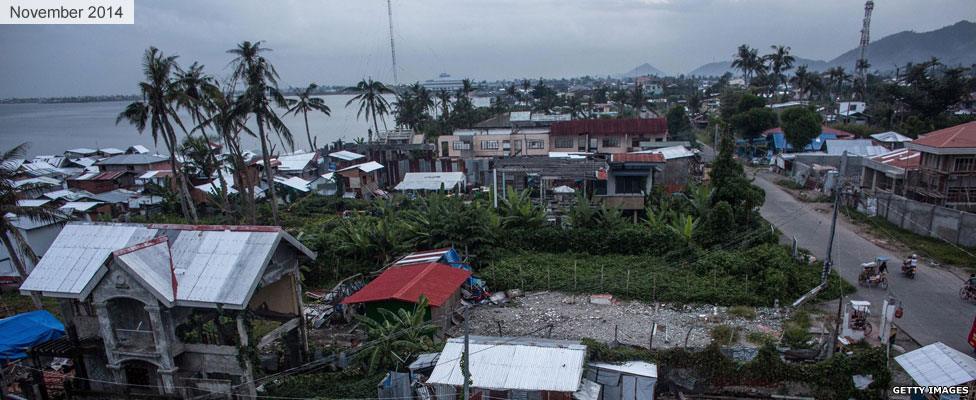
{"x": 172, "y": 305}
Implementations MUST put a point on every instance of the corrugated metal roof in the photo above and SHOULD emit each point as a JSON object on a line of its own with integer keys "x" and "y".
{"x": 506, "y": 363}
{"x": 407, "y": 283}
{"x": 365, "y": 167}
{"x": 295, "y": 162}
{"x": 74, "y": 261}
{"x": 214, "y": 264}
{"x": 346, "y": 155}
{"x": 938, "y": 365}
{"x": 446, "y": 255}
{"x": 670, "y": 152}
{"x": 655, "y": 158}
{"x": 132, "y": 159}
{"x": 639, "y": 368}
{"x": 294, "y": 182}
{"x": 854, "y": 147}
{"x": 32, "y": 203}
{"x": 890, "y": 137}
{"x": 431, "y": 180}
{"x": 80, "y": 205}
{"x": 149, "y": 262}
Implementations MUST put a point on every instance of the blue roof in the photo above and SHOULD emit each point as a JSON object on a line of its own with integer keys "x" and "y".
{"x": 23, "y": 331}
{"x": 779, "y": 141}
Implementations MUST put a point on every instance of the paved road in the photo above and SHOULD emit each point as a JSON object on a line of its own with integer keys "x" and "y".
{"x": 933, "y": 310}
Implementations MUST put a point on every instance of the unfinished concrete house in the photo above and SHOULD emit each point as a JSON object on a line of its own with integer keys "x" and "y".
{"x": 173, "y": 305}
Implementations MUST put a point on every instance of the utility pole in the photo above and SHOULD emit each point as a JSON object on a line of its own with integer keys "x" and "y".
{"x": 829, "y": 260}
{"x": 465, "y": 358}
{"x": 838, "y": 186}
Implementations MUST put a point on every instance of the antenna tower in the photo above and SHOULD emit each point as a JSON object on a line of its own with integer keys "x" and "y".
{"x": 862, "y": 63}
{"x": 389, "y": 13}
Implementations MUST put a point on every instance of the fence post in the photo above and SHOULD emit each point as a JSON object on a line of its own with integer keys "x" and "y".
{"x": 601, "y": 278}
{"x": 575, "y": 286}
{"x": 627, "y": 285}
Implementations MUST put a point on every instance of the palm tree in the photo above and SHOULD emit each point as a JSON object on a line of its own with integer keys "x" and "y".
{"x": 306, "y": 103}
{"x": 10, "y": 210}
{"x": 260, "y": 98}
{"x": 801, "y": 80}
{"x": 780, "y": 61}
{"x": 371, "y": 102}
{"x": 638, "y": 98}
{"x": 195, "y": 89}
{"x": 226, "y": 119}
{"x": 156, "y": 109}
{"x": 444, "y": 101}
{"x": 748, "y": 61}
{"x": 835, "y": 80}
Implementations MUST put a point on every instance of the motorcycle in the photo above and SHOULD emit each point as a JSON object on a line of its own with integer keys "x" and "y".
{"x": 968, "y": 293}
{"x": 909, "y": 267}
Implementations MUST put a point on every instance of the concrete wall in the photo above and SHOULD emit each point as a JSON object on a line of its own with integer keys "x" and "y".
{"x": 928, "y": 219}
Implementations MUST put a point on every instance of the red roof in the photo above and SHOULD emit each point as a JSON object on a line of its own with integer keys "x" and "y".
{"x": 633, "y": 126}
{"x": 434, "y": 280}
{"x": 959, "y": 136}
{"x": 637, "y": 157}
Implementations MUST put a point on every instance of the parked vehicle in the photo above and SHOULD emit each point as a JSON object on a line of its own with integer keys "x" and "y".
{"x": 968, "y": 292}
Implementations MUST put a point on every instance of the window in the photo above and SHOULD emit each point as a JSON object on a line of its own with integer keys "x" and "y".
{"x": 459, "y": 145}
{"x": 630, "y": 184}
{"x": 611, "y": 142}
{"x": 489, "y": 145}
{"x": 965, "y": 164}
{"x": 539, "y": 144}
{"x": 564, "y": 143}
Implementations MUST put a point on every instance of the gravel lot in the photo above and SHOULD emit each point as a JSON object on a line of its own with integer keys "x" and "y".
{"x": 576, "y": 318}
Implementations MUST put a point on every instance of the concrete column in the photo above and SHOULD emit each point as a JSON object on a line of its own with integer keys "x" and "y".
{"x": 108, "y": 334}
{"x": 163, "y": 348}
{"x": 248, "y": 376}
{"x": 302, "y": 327}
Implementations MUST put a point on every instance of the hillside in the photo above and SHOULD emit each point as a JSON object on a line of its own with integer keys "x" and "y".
{"x": 642, "y": 70}
{"x": 954, "y": 45}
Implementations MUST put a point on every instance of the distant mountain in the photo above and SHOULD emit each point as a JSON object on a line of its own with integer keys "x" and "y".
{"x": 642, "y": 70}
{"x": 953, "y": 45}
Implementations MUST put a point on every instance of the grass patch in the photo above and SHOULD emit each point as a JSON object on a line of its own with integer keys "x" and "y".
{"x": 761, "y": 339}
{"x": 743, "y": 312}
{"x": 796, "y": 331}
{"x": 12, "y": 302}
{"x": 757, "y": 276}
{"x": 938, "y": 249}
{"x": 724, "y": 335}
{"x": 789, "y": 184}
{"x": 328, "y": 385}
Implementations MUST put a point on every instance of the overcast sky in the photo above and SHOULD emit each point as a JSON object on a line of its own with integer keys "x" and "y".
{"x": 339, "y": 42}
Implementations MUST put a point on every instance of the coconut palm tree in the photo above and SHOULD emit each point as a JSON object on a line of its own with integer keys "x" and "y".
{"x": 369, "y": 95}
{"x": 306, "y": 103}
{"x": 638, "y": 99}
{"x": 158, "y": 111}
{"x": 780, "y": 61}
{"x": 260, "y": 98}
{"x": 748, "y": 61}
{"x": 195, "y": 89}
{"x": 10, "y": 235}
{"x": 229, "y": 123}
{"x": 801, "y": 80}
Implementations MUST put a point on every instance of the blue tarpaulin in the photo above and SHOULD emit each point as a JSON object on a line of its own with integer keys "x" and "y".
{"x": 779, "y": 141}
{"x": 23, "y": 331}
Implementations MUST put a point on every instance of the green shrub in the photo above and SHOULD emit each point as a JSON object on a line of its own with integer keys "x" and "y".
{"x": 724, "y": 335}
{"x": 760, "y": 339}
{"x": 743, "y": 312}
{"x": 796, "y": 330}
{"x": 328, "y": 385}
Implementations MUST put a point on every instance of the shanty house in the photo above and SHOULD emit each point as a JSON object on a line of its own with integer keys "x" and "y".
{"x": 360, "y": 180}
{"x": 101, "y": 182}
{"x": 400, "y": 287}
{"x": 889, "y": 172}
{"x": 432, "y": 182}
{"x": 150, "y": 292}
{"x": 633, "y": 380}
{"x": 630, "y": 178}
{"x": 299, "y": 165}
{"x": 511, "y": 368}
{"x": 607, "y": 136}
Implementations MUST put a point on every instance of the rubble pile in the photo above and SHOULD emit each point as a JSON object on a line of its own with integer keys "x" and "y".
{"x": 581, "y": 316}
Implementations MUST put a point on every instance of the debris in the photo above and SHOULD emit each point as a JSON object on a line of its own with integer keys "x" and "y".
{"x": 603, "y": 299}
{"x": 514, "y": 293}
